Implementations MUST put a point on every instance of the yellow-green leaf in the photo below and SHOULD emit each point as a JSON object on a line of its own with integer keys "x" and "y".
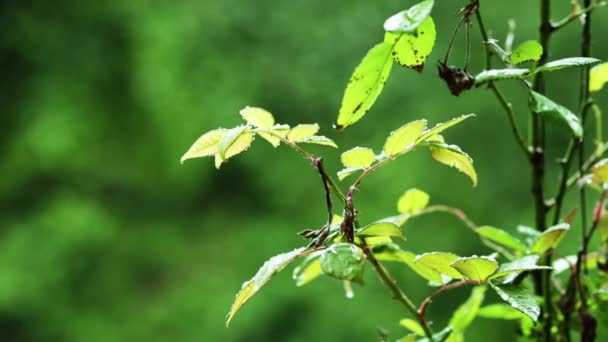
{"x": 527, "y": 263}
{"x": 500, "y": 311}
{"x": 550, "y": 238}
{"x": 308, "y": 270}
{"x": 381, "y": 229}
{"x": 365, "y": 85}
{"x": 598, "y": 76}
{"x": 358, "y": 157}
{"x": 412, "y": 49}
{"x": 600, "y": 171}
{"x": 501, "y": 237}
{"x": 235, "y": 141}
{"x": 344, "y": 173}
{"x": 320, "y": 140}
{"x": 274, "y": 134}
{"x": 271, "y": 267}
{"x": 476, "y": 268}
{"x": 557, "y": 113}
{"x": 205, "y": 146}
{"x": 453, "y": 156}
{"x": 465, "y": 314}
{"x": 412, "y": 326}
{"x": 433, "y": 133}
{"x": 440, "y": 262}
{"x": 528, "y": 51}
{"x": 392, "y": 252}
{"x": 412, "y": 200}
{"x": 404, "y": 137}
{"x": 258, "y": 117}
{"x": 302, "y": 132}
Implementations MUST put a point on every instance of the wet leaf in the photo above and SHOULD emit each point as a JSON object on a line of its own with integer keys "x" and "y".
{"x": 404, "y": 138}
{"x": 358, "y": 157}
{"x": 308, "y": 270}
{"x": 528, "y": 51}
{"x": 557, "y": 113}
{"x": 343, "y": 261}
{"x": 475, "y": 268}
{"x": 527, "y": 263}
{"x": 392, "y": 252}
{"x": 453, "y": 156}
{"x": 412, "y": 200}
{"x": 410, "y": 19}
{"x": 205, "y": 146}
{"x": 519, "y": 299}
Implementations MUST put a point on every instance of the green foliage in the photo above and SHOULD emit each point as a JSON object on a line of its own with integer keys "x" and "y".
{"x": 519, "y": 299}
{"x": 412, "y": 200}
{"x": 404, "y": 138}
{"x": 598, "y": 76}
{"x": 380, "y": 229}
{"x": 412, "y": 49}
{"x": 475, "y": 268}
{"x": 528, "y": 51}
{"x": 550, "y": 238}
{"x": 453, "y": 156}
{"x": 557, "y": 113}
{"x": 358, "y": 158}
{"x": 343, "y": 261}
{"x": 501, "y": 237}
{"x": 465, "y": 314}
{"x": 410, "y": 19}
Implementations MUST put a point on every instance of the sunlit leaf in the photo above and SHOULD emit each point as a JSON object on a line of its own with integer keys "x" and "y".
{"x": 500, "y": 74}
{"x": 344, "y": 173}
{"x": 235, "y": 141}
{"x": 392, "y": 252}
{"x": 410, "y": 19}
{"x": 258, "y": 117}
{"x": 465, "y": 314}
{"x": 412, "y": 326}
{"x": 206, "y": 145}
{"x": 302, "y": 132}
{"x": 519, "y": 299}
{"x": 598, "y": 76}
{"x": 501, "y": 237}
{"x": 320, "y": 140}
{"x": 271, "y": 267}
{"x": 274, "y": 134}
{"x": 343, "y": 261}
{"x": 475, "y": 268}
{"x": 412, "y": 200}
{"x": 549, "y": 238}
{"x": 432, "y": 134}
{"x": 527, "y": 263}
{"x": 381, "y": 229}
{"x": 308, "y": 270}
{"x": 404, "y": 137}
{"x": 365, "y": 85}
{"x": 440, "y": 262}
{"x": 566, "y": 63}
{"x": 412, "y": 49}
{"x": 555, "y": 112}
{"x": 528, "y": 51}
{"x": 600, "y": 171}
{"x": 500, "y": 311}
{"x": 453, "y": 156}
{"x": 358, "y": 157}
{"x": 441, "y": 336}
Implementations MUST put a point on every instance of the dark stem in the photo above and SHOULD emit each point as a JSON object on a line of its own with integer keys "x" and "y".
{"x": 428, "y": 300}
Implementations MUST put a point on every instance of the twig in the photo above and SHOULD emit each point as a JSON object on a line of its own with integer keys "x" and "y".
{"x": 577, "y": 15}
{"x": 428, "y": 300}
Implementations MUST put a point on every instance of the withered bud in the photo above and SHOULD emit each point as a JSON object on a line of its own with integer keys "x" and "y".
{"x": 457, "y": 79}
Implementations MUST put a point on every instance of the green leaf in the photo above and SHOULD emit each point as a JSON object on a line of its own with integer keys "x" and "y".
{"x": 358, "y": 158}
{"x": 365, "y": 85}
{"x": 501, "y": 237}
{"x": 441, "y": 336}
{"x": 412, "y": 326}
{"x": 271, "y": 267}
{"x": 412, "y": 200}
{"x": 561, "y": 115}
{"x": 235, "y": 141}
{"x": 500, "y": 311}
{"x": 500, "y": 74}
{"x": 519, "y": 299}
{"x": 466, "y": 313}
{"x": 475, "y": 268}
{"x": 342, "y": 174}
{"x": 320, "y": 140}
{"x": 549, "y": 238}
{"x": 434, "y": 132}
{"x": 308, "y": 270}
{"x": 600, "y": 171}
{"x": 206, "y": 145}
{"x": 527, "y": 263}
{"x": 343, "y": 261}
{"x": 453, "y": 156}
{"x": 381, "y": 229}
{"x": 528, "y": 51}
{"x": 258, "y": 117}
{"x": 272, "y": 135}
{"x": 302, "y": 132}
{"x": 392, "y": 252}
{"x": 404, "y": 138}
{"x": 412, "y": 49}
{"x": 598, "y": 76}
{"x": 440, "y": 262}
{"x": 410, "y": 19}
{"x": 566, "y": 63}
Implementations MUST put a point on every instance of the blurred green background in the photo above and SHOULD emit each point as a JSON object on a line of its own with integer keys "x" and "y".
{"x": 104, "y": 236}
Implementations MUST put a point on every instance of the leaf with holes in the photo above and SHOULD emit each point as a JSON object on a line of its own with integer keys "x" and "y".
{"x": 528, "y": 51}
{"x": 557, "y": 113}
{"x": 453, "y": 156}
{"x": 365, "y": 85}
{"x": 410, "y": 19}
{"x": 404, "y": 137}
{"x": 271, "y": 267}
{"x": 412, "y": 49}
{"x": 358, "y": 158}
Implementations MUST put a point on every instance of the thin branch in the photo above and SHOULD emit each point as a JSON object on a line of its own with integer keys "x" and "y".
{"x": 577, "y": 15}
{"x": 428, "y": 300}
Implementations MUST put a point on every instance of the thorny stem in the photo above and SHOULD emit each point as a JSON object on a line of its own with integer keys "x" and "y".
{"x": 428, "y": 300}
{"x": 389, "y": 281}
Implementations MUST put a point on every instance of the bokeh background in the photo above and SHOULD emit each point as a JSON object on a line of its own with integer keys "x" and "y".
{"x": 104, "y": 236}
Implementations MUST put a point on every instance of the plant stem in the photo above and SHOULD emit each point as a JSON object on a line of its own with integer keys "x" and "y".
{"x": 444, "y": 288}
{"x": 389, "y": 281}
{"x": 577, "y": 15}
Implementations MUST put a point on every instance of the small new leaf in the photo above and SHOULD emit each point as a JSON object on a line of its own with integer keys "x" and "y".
{"x": 258, "y": 117}
{"x": 550, "y": 238}
{"x": 302, "y": 132}
{"x": 561, "y": 115}
{"x": 453, "y": 156}
{"x": 404, "y": 138}
{"x": 529, "y": 51}
{"x": 519, "y": 299}
{"x": 412, "y": 200}
{"x": 271, "y": 267}
{"x": 365, "y": 85}
{"x": 412, "y": 49}
{"x": 598, "y": 76}
{"x": 475, "y": 268}
{"x": 410, "y": 19}
{"x": 358, "y": 157}
{"x": 381, "y": 229}
{"x": 205, "y": 146}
